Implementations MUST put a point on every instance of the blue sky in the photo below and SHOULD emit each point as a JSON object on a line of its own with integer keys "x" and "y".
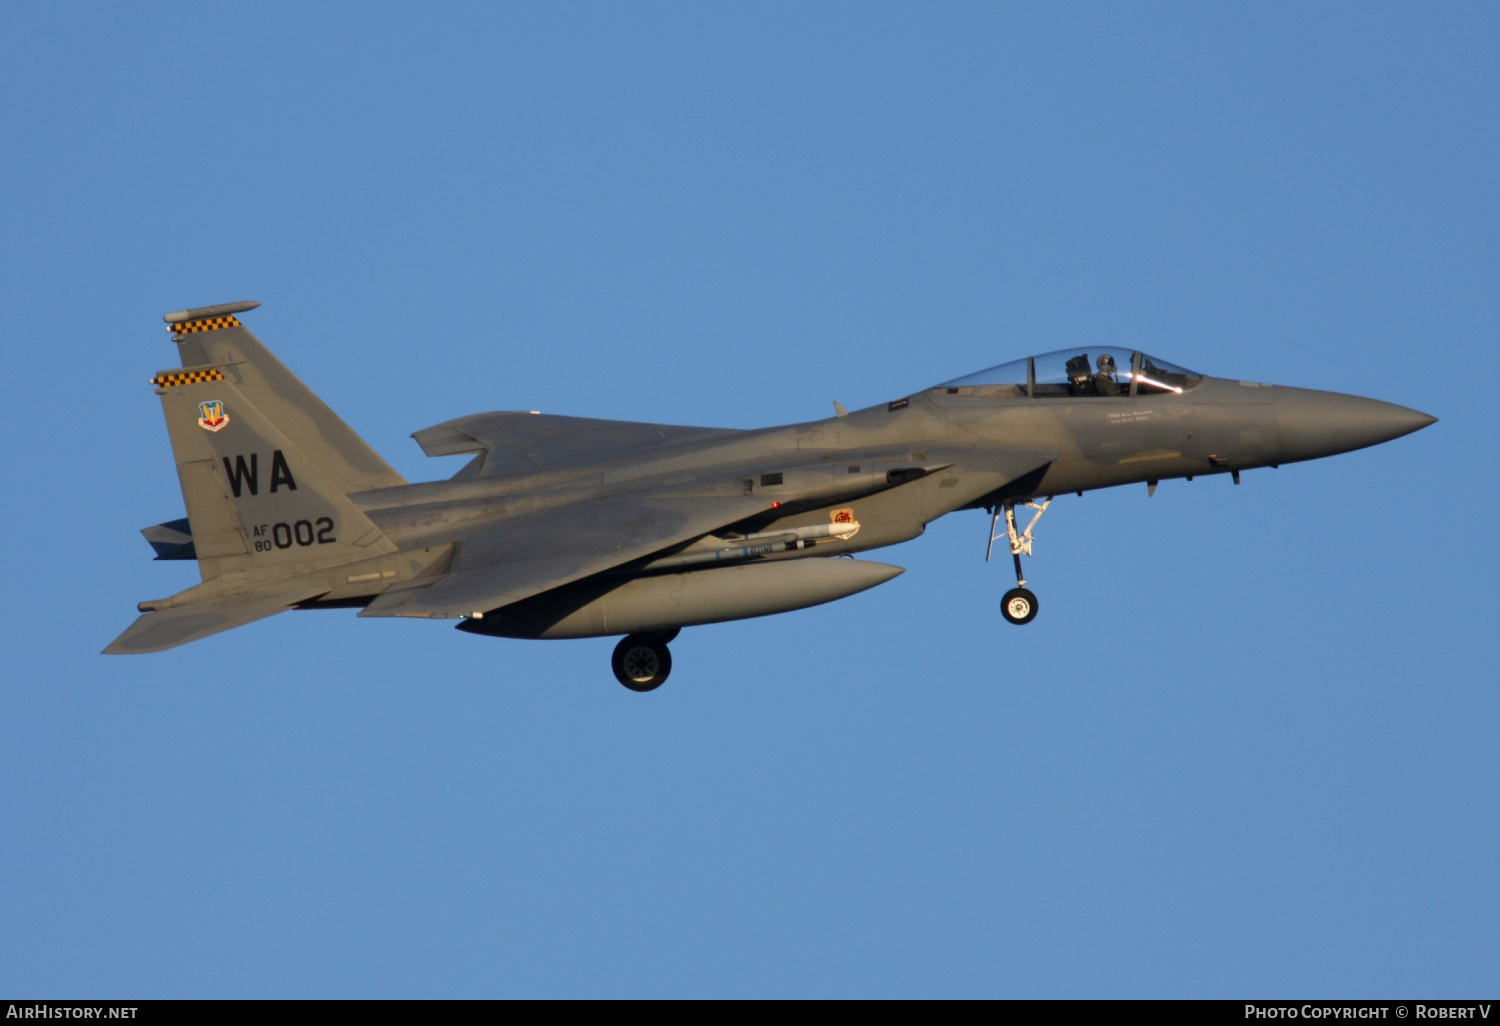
{"x": 1247, "y": 748}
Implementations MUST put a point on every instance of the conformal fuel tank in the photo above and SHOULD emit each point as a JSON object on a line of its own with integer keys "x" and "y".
{"x": 604, "y": 606}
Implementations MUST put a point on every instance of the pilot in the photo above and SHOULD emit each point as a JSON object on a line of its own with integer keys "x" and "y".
{"x": 1105, "y": 382}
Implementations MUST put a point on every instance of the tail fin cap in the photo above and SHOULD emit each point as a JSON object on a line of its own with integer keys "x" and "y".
{"x": 198, "y": 313}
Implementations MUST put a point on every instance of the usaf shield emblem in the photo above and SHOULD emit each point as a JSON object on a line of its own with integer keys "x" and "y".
{"x": 211, "y": 415}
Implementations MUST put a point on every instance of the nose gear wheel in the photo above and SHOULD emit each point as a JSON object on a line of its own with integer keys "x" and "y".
{"x": 1018, "y": 606}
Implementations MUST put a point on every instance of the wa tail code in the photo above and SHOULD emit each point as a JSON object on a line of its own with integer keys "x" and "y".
{"x": 246, "y": 476}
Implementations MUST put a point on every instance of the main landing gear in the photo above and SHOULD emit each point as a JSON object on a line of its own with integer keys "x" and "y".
{"x": 642, "y": 662}
{"x": 1019, "y": 605}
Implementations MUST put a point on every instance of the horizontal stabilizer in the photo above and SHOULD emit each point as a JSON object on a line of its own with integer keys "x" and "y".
{"x": 526, "y": 443}
{"x": 178, "y": 625}
{"x": 172, "y": 540}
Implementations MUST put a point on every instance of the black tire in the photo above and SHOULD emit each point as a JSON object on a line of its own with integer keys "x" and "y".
{"x": 1018, "y": 606}
{"x": 641, "y": 662}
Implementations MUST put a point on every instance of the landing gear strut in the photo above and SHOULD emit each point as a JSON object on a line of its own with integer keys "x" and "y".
{"x": 1019, "y": 605}
{"x": 642, "y": 662}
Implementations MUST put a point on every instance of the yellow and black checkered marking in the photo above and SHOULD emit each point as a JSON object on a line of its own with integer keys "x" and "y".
{"x": 175, "y": 378}
{"x": 206, "y": 324}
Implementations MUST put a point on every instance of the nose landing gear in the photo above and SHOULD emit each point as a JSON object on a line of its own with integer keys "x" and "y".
{"x": 642, "y": 662}
{"x": 1019, "y": 605}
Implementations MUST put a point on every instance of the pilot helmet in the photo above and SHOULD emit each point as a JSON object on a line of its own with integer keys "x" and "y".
{"x": 1106, "y": 363}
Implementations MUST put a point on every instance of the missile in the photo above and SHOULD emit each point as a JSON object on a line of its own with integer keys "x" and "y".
{"x": 752, "y": 545}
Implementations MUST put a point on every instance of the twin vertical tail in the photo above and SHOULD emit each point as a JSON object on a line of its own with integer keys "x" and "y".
{"x": 266, "y": 469}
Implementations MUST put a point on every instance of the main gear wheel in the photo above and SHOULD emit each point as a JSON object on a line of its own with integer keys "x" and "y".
{"x": 641, "y": 662}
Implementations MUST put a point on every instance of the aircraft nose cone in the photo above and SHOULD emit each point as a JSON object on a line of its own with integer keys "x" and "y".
{"x": 1314, "y": 424}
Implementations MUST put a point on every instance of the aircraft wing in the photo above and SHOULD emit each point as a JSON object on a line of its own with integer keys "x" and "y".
{"x": 526, "y": 443}
{"x": 527, "y": 555}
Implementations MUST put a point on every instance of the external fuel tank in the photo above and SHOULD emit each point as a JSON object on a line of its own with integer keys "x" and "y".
{"x": 605, "y": 606}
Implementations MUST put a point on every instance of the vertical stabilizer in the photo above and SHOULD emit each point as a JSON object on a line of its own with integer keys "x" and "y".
{"x": 265, "y": 465}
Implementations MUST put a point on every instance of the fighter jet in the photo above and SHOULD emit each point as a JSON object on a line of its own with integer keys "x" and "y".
{"x": 569, "y": 527}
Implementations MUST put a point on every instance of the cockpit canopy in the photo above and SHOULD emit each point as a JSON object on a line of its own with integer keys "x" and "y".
{"x": 1068, "y": 373}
